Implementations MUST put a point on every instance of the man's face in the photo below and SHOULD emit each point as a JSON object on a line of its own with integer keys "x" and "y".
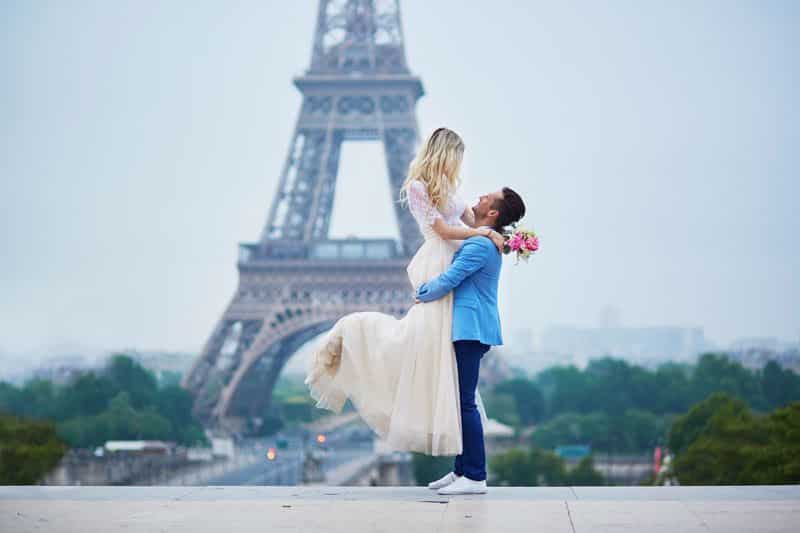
{"x": 484, "y": 207}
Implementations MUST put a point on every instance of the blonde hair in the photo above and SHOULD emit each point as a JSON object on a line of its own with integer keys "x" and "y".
{"x": 437, "y": 165}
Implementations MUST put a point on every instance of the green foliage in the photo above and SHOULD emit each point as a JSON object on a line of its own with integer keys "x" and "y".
{"x": 129, "y": 376}
{"x": 527, "y": 399}
{"x": 169, "y": 377}
{"x": 36, "y": 400}
{"x": 503, "y": 408}
{"x": 291, "y": 404}
{"x": 585, "y": 474}
{"x": 429, "y": 468}
{"x": 688, "y": 427}
{"x": 566, "y": 389}
{"x": 515, "y": 468}
{"x": 619, "y": 407}
{"x": 716, "y": 373}
{"x": 537, "y": 467}
{"x": 270, "y": 425}
{"x": 119, "y": 422}
{"x": 633, "y": 431}
{"x": 720, "y": 441}
{"x": 28, "y": 450}
{"x": 613, "y": 386}
{"x": 571, "y": 428}
{"x": 87, "y": 395}
{"x": 288, "y": 386}
{"x": 779, "y": 386}
{"x": 123, "y": 401}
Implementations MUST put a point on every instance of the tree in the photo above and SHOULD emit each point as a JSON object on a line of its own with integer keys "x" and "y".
{"x": 566, "y": 388}
{"x": 532, "y": 467}
{"x": 778, "y": 462}
{"x": 585, "y": 474}
{"x": 28, "y": 450}
{"x": 717, "y": 373}
{"x": 528, "y": 399}
{"x": 131, "y": 377}
{"x": 672, "y": 390}
{"x": 687, "y": 428}
{"x": 502, "y": 407}
{"x": 87, "y": 394}
{"x": 633, "y": 431}
{"x": 720, "y": 441}
{"x": 429, "y": 468}
{"x": 175, "y": 404}
{"x": 779, "y": 386}
{"x": 514, "y": 468}
{"x": 119, "y": 422}
{"x": 123, "y": 401}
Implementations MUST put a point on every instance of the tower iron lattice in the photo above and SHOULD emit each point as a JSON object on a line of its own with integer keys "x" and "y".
{"x": 295, "y": 282}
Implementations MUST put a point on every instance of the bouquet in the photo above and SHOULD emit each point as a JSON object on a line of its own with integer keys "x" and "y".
{"x": 521, "y": 241}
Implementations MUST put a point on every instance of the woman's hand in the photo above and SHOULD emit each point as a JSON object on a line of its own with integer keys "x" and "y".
{"x": 498, "y": 240}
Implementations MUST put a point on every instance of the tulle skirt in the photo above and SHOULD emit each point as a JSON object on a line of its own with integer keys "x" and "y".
{"x": 400, "y": 374}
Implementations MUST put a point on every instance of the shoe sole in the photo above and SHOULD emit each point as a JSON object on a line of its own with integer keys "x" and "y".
{"x": 437, "y": 487}
{"x": 484, "y": 491}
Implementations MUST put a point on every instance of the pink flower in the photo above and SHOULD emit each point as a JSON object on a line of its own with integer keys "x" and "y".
{"x": 532, "y": 243}
{"x": 516, "y": 242}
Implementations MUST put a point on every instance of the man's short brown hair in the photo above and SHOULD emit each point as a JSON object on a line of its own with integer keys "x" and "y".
{"x": 511, "y": 208}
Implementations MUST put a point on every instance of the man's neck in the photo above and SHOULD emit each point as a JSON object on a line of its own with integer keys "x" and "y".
{"x": 484, "y": 224}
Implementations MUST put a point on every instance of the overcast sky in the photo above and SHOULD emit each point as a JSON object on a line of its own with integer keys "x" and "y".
{"x": 655, "y": 143}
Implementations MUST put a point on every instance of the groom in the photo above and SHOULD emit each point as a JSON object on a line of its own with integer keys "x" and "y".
{"x": 473, "y": 277}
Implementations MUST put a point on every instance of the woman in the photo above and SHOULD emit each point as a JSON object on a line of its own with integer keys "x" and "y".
{"x": 401, "y": 374}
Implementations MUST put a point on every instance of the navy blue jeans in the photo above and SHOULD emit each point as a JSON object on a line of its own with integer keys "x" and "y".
{"x": 472, "y": 460}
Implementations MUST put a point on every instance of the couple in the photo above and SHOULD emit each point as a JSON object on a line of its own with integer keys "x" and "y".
{"x": 413, "y": 380}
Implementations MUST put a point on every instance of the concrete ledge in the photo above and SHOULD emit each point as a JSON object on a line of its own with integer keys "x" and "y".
{"x": 334, "y": 493}
{"x": 353, "y": 509}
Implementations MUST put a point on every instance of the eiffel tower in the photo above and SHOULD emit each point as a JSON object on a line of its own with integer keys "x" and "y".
{"x": 295, "y": 282}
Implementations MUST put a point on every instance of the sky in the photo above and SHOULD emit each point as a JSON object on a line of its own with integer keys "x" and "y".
{"x": 655, "y": 145}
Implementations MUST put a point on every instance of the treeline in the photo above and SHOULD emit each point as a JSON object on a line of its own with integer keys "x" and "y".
{"x": 616, "y": 406}
{"x": 613, "y": 385}
{"x": 122, "y": 401}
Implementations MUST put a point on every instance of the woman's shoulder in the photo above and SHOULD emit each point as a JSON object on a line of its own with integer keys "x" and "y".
{"x": 417, "y": 185}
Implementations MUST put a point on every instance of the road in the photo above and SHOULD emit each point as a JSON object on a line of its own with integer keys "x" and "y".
{"x": 340, "y": 446}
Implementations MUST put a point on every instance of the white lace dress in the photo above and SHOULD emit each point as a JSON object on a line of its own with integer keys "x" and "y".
{"x": 400, "y": 374}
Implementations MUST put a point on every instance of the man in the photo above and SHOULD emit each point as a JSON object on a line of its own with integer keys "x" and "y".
{"x": 473, "y": 276}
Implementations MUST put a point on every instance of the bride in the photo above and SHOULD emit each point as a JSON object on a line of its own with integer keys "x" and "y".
{"x": 401, "y": 374}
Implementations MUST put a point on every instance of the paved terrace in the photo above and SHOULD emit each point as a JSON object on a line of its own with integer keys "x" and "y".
{"x": 770, "y": 508}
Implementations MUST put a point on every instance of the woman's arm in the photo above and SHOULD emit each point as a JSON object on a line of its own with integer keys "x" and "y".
{"x": 426, "y": 214}
{"x": 455, "y": 233}
{"x": 473, "y": 255}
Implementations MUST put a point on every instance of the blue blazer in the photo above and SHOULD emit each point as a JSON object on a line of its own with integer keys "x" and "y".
{"x": 473, "y": 277}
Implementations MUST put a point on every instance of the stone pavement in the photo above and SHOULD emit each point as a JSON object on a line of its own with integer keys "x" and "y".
{"x": 765, "y": 508}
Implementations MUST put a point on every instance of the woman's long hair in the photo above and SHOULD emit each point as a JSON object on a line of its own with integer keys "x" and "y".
{"x": 437, "y": 165}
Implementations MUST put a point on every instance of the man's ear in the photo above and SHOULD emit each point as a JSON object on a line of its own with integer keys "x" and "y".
{"x": 493, "y": 213}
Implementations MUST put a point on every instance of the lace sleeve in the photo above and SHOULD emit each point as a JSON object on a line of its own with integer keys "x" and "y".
{"x": 460, "y": 206}
{"x": 420, "y": 204}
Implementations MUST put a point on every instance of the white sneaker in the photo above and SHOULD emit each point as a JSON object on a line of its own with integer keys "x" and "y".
{"x": 465, "y": 485}
{"x": 446, "y": 480}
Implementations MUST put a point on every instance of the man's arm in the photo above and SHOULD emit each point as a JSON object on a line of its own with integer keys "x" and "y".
{"x": 471, "y": 257}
